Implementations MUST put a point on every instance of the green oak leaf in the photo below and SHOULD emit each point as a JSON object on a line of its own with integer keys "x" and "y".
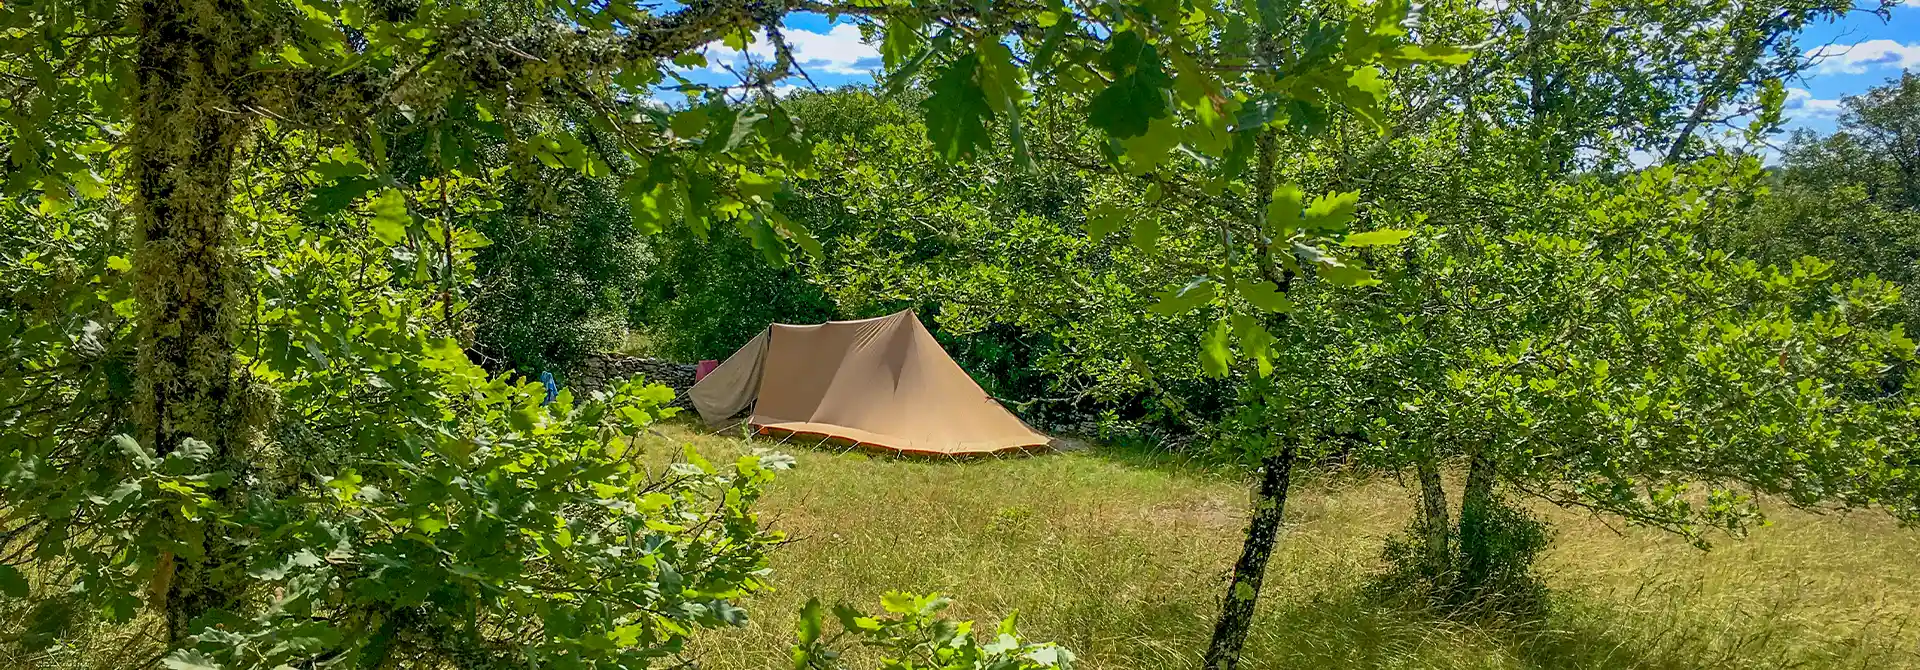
{"x": 88, "y": 184}
{"x": 1283, "y": 211}
{"x": 698, "y": 198}
{"x": 737, "y": 40}
{"x": 1191, "y": 84}
{"x": 1001, "y": 80}
{"x": 764, "y": 238}
{"x": 1177, "y": 301}
{"x": 727, "y": 128}
{"x": 798, "y": 234}
{"x": 689, "y": 123}
{"x": 1215, "y": 355}
{"x": 898, "y": 602}
{"x": 811, "y": 616}
{"x": 902, "y": 37}
{"x": 1255, "y": 342}
{"x": 1148, "y": 150}
{"x": 721, "y": 120}
{"x": 1344, "y": 273}
{"x": 1264, "y": 295}
{"x": 1390, "y": 17}
{"x": 1366, "y": 81}
{"x": 957, "y": 110}
{"x": 651, "y": 205}
{"x": 12, "y": 583}
{"x": 546, "y": 156}
{"x": 756, "y": 185}
{"x": 1377, "y": 238}
{"x": 1331, "y": 211}
{"x": 1209, "y": 133}
{"x": 742, "y": 130}
{"x": 188, "y": 659}
{"x": 852, "y": 620}
{"x": 1364, "y": 93}
{"x": 1274, "y": 13}
{"x": 1139, "y": 91}
{"x": 390, "y": 218}
{"x": 1104, "y": 219}
{"x": 337, "y": 195}
{"x": 1432, "y": 53}
{"x": 1146, "y": 233}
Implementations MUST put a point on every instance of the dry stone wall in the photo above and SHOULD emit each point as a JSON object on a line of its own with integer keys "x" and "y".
{"x": 603, "y": 371}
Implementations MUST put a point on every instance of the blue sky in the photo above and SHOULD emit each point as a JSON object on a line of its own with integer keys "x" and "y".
{"x": 832, "y": 55}
{"x": 1855, "y": 53}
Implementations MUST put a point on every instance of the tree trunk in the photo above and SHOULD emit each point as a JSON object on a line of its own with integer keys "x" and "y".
{"x": 1725, "y": 82}
{"x": 1236, "y": 614}
{"x": 1476, "y": 510}
{"x": 1270, "y": 502}
{"x": 1434, "y": 525}
{"x": 186, "y": 127}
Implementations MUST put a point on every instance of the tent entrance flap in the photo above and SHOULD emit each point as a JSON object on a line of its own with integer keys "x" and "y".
{"x": 730, "y": 389}
{"x": 881, "y": 382}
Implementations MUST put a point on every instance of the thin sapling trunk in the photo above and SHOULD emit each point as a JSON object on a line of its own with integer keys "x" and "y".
{"x": 1243, "y": 592}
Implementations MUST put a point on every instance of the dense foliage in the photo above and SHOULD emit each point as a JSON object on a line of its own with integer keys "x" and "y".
{"x": 249, "y": 245}
{"x": 703, "y": 299}
{"x": 912, "y": 635}
{"x": 406, "y": 505}
{"x": 556, "y": 284}
{"x": 1850, "y": 197}
{"x": 242, "y": 242}
{"x": 1633, "y": 343}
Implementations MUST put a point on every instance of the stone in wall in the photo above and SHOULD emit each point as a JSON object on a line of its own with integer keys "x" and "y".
{"x": 603, "y": 371}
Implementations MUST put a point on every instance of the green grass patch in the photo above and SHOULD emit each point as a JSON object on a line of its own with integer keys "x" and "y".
{"x": 1121, "y": 557}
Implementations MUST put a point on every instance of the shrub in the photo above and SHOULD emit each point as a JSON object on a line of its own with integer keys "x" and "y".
{"x": 913, "y": 635}
{"x": 1514, "y": 540}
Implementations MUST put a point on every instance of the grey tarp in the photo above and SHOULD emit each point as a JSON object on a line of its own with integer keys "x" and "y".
{"x": 730, "y": 388}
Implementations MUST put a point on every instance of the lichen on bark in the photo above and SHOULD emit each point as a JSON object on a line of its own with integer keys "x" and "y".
{"x": 189, "y": 56}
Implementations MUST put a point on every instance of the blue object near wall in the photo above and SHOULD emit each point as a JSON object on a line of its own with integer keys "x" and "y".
{"x": 553, "y": 388}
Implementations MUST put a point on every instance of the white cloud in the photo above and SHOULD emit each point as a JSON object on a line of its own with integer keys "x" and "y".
{"x": 837, "y": 51}
{"x": 1858, "y": 58}
{"x": 720, "y": 56}
{"x": 1802, "y": 105}
{"x": 840, "y": 50}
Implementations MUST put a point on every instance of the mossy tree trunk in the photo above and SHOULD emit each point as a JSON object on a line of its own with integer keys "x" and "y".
{"x": 1243, "y": 593}
{"x": 1276, "y": 469}
{"x": 1435, "y": 529}
{"x": 1476, "y": 525}
{"x": 187, "y": 123}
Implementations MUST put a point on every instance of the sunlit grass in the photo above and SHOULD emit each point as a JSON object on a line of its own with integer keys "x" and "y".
{"x": 1121, "y": 558}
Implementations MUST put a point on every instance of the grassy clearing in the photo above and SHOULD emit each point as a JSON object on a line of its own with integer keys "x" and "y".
{"x": 1121, "y": 557}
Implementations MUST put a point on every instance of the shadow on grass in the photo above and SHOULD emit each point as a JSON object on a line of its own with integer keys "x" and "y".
{"x": 1196, "y": 461}
{"x": 1353, "y": 629}
{"x": 1191, "y": 461}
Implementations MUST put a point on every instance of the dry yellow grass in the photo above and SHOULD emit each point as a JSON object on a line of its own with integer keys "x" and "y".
{"x": 1121, "y": 559}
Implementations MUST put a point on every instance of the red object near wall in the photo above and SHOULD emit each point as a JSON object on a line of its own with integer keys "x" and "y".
{"x": 705, "y": 367}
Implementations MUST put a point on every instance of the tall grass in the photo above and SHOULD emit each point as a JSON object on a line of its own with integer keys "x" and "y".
{"x": 1122, "y": 557}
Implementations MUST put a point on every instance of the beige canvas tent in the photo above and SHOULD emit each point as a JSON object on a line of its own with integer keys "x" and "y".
{"x": 881, "y": 382}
